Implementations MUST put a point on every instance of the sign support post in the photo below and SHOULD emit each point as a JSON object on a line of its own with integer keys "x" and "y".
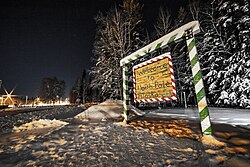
{"x": 125, "y": 91}
{"x": 198, "y": 83}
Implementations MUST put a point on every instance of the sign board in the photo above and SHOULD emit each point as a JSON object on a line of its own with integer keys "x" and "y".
{"x": 154, "y": 80}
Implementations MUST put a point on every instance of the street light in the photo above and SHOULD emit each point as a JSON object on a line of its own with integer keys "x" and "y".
{"x": 1, "y": 98}
{"x": 26, "y": 100}
{"x": 0, "y": 88}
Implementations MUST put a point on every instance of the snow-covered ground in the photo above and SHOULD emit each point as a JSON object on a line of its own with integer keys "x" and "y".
{"x": 40, "y": 124}
{"x": 110, "y": 109}
{"x": 104, "y": 143}
{"x": 10, "y": 121}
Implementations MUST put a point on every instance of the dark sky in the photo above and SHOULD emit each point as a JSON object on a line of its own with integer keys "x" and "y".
{"x": 47, "y": 38}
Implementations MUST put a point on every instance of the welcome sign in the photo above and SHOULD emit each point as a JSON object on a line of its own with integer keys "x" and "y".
{"x": 154, "y": 80}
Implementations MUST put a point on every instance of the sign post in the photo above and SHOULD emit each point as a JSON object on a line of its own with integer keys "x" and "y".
{"x": 198, "y": 84}
{"x": 142, "y": 92}
{"x": 125, "y": 91}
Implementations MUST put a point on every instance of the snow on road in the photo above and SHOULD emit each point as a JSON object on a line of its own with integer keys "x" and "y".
{"x": 231, "y": 116}
{"x": 42, "y": 123}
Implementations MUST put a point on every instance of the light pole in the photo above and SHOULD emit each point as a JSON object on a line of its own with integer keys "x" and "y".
{"x": 0, "y": 88}
{"x": 26, "y": 100}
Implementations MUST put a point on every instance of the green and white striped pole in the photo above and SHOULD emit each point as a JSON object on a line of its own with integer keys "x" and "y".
{"x": 125, "y": 91}
{"x": 199, "y": 87}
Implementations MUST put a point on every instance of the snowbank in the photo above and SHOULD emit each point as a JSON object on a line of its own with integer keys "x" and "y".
{"x": 110, "y": 109}
{"x": 42, "y": 123}
{"x": 211, "y": 141}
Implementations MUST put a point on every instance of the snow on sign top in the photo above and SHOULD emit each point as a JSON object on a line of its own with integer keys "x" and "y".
{"x": 154, "y": 80}
{"x": 173, "y": 36}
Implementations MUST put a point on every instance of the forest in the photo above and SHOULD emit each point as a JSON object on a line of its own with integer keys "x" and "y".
{"x": 223, "y": 50}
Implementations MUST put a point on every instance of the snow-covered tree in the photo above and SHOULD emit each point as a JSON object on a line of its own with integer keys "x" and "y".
{"x": 235, "y": 21}
{"x": 223, "y": 47}
{"x": 182, "y": 72}
{"x": 213, "y": 52}
{"x": 164, "y": 22}
{"x": 118, "y": 35}
{"x": 182, "y": 17}
{"x": 181, "y": 64}
{"x": 225, "y": 53}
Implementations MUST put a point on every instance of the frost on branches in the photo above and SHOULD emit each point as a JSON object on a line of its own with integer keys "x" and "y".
{"x": 117, "y": 36}
{"x": 226, "y": 52}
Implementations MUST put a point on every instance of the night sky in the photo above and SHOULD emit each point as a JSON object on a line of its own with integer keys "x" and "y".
{"x": 47, "y": 38}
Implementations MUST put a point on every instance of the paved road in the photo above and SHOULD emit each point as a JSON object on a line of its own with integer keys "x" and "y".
{"x": 15, "y": 111}
{"x": 230, "y": 116}
{"x": 9, "y": 119}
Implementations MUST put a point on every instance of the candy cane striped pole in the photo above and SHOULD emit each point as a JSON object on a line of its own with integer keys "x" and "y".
{"x": 125, "y": 91}
{"x": 199, "y": 87}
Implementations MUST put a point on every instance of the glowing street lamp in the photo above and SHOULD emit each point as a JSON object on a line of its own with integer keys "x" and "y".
{"x": 9, "y": 95}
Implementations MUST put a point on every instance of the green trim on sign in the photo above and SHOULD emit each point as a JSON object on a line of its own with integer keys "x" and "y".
{"x": 197, "y": 77}
{"x": 200, "y": 95}
{"x": 158, "y": 45}
{"x": 191, "y": 45}
{"x": 126, "y": 82}
{"x": 126, "y": 92}
{"x": 137, "y": 56}
{"x": 204, "y": 113}
{"x": 183, "y": 35}
{"x": 172, "y": 39}
{"x": 194, "y": 60}
{"x": 147, "y": 51}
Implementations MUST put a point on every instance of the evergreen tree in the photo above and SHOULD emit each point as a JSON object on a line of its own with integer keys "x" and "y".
{"x": 51, "y": 89}
{"x": 225, "y": 53}
{"x": 79, "y": 91}
{"x": 74, "y": 95}
{"x": 235, "y": 22}
{"x": 83, "y": 87}
{"x": 213, "y": 52}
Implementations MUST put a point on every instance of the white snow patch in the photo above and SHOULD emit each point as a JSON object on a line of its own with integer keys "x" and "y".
{"x": 211, "y": 141}
{"x": 110, "y": 109}
{"x": 42, "y": 123}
